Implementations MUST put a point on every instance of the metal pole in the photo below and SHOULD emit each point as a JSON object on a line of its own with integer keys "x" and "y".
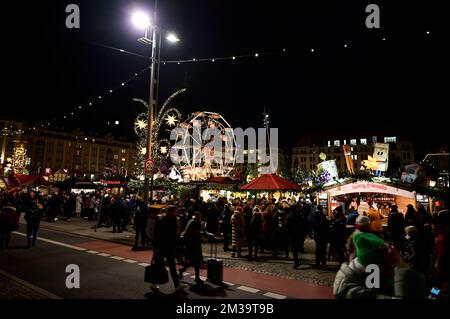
{"x": 152, "y": 103}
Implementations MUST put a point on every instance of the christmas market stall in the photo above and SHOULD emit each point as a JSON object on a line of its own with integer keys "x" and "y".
{"x": 218, "y": 186}
{"x": 272, "y": 186}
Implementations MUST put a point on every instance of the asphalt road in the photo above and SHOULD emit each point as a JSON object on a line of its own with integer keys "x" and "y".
{"x": 44, "y": 266}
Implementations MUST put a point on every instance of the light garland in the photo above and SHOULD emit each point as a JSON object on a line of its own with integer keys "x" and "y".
{"x": 122, "y": 84}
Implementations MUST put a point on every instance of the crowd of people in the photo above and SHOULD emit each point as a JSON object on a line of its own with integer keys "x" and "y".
{"x": 257, "y": 226}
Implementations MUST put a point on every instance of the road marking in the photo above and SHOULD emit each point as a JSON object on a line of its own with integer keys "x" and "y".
{"x": 117, "y": 258}
{"x": 248, "y": 289}
{"x": 92, "y": 252}
{"x": 104, "y": 255}
{"x": 30, "y": 285}
{"x": 228, "y": 283}
{"x": 130, "y": 261}
{"x": 274, "y": 295}
{"x": 53, "y": 242}
{"x": 144, "y": 264}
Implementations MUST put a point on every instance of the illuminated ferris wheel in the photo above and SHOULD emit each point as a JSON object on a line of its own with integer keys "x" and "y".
{"x": 200, "y": 160}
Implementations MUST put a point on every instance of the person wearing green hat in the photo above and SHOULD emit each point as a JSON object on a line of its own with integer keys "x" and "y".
{"x": 396, "y": 280}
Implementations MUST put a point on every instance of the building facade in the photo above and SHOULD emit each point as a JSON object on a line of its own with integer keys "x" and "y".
{"x": 305, "y": 154}
{"x": 76, "y": 152}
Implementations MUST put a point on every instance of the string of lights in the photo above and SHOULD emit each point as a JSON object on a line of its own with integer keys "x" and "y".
{"x": 312, "y": 50}
{"x": 98, "y": 99}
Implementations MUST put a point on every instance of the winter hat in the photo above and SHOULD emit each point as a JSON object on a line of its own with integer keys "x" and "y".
{"x": 362, "y": 221}
{"x": 368, "y": 248}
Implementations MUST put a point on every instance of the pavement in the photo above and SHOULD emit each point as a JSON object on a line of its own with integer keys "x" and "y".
{"x": 265, "y": 264}
{"x": 110, "y": 269}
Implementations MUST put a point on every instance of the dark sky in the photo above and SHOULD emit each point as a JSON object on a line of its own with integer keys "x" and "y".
{"x": 402, "y": 82}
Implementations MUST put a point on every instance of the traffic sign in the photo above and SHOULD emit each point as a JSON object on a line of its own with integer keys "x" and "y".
{"x": 150, "y": 165}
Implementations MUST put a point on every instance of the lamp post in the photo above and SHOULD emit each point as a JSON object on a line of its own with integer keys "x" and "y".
{"x": 142, "y": 21}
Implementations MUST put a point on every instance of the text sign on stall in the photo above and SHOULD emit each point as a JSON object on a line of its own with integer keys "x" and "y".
{"x": 368, "y": 187}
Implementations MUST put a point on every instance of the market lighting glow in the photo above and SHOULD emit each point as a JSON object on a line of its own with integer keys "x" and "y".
{"x": 171, "y": 37}
{"x": 140, "y": 20}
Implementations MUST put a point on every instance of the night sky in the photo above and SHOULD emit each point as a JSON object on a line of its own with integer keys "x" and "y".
{"x": 402, "y": 82}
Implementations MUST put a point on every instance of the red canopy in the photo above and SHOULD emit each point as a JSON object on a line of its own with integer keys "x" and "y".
{"x": 27, "y": 180}
{"x": 270, "y": 182}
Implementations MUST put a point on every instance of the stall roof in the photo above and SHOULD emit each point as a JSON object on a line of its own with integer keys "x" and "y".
{"x": 26, "y": 180}
{"x": 270, "y": 182}
{"x": 352, "y": 186}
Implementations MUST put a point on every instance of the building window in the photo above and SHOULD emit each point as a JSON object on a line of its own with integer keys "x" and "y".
{"x": 116, "y": 156}
{"x": 374, "y": 139}
{"x": 353, "y": 142}
{"x": 364, "y": 141}
{"x": 408, "y": 155}
{"x": 123, "y": 151}
{"x": 355, "y": 157}
{"x": 329, "y": 143}
{"x": 337, "y": 143}
{"x": 345, "y": 141}
{"x": 390, "y": 139}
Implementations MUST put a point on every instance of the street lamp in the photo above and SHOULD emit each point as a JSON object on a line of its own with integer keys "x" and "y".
{"x": 142, "y": 21}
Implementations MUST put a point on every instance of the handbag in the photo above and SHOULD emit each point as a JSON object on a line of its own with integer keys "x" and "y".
{"x": 156, "y": 273}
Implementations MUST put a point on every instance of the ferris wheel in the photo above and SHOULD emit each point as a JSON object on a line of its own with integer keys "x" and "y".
{"x": 200, "y": 160}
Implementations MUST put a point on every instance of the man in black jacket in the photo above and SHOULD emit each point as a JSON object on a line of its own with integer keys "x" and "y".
{"x": 140, "y": 223}
{"x": 320, "y": 227}
{"x": 296, "y": 226}
{"x": 165, "y": 242}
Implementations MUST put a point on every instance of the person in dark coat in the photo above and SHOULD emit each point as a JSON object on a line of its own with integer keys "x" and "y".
{"x": 165, "y": 240}
{"x": 395, "y": 227}
{"x": 352, "y": 215}
{"x": 254, "y": 232}
{"x": 412, "y": 217}
{"x": 8, "y": 223}
{"x": 338, "y": 234}
{"x": 117, "y": 215}
{"x": 33, "y": 218}
{"x": 296, "y": 230}
{"x": 192, "y": 239}
{"x": 225, "y": 226}
{"x": 140, "y": 224}
{"x": 320, "y": 227}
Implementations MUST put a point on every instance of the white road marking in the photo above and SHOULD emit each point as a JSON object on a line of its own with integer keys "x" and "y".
{"x": 117, "y": 258}
{"x": 144, "y": 264}
{"x": 53, "y": 242}
{"x": 130, "y": 261}
{"x": 248, "y": 289}
{"x": 92, "y": 252}
{"x": 274, "y": 295}
{"x": 228, "y": 283}
{"x": 30, "y": 285}
{"x": 104, "y": 255}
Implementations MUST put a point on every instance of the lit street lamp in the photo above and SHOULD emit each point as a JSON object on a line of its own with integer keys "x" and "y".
{"x": 142, "y": 21}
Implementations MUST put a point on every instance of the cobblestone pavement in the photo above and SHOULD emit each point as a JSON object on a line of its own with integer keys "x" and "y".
{"x": 12, "y": 289}
{"x": 283, "y": 268}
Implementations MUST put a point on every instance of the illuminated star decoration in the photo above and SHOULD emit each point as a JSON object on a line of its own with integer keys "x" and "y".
{"x": 48, "y": 171}
{"x": 141, "y": 124}
{"x": 171, "y": 120}
{"x": 143, "y": 150}
{"x": 163, "y": 149}
{"x": 370, "y": 163}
